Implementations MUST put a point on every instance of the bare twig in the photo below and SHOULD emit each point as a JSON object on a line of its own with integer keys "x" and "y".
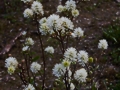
{"x": 42, "y": 50}
{"x": 8, "y": 47}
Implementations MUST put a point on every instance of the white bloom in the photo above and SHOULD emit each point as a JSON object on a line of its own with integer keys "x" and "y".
{"x": 69, "y": 73}
{"x": 11, "y": 70}
{"x": 27, "y": 1}
{"x": 29, "y": 87}
{"x": 44, "y": 29}
{"x": 49, "y": 49}
{"x": 60, "y": 8}
{"x": 70, "y": 4}
{"x": 28, "y": 13}
{"x": 75, "y": 13}
{"x": 71, "y": 54}
{"x": 66, "y": 63}
{"x": 82, "y": 55}
{"x": 78, "y": 32}
{"x": 80, "y": 75}
{"x": 29, "y": 41}
{"x": 37, "y": 7}
{"x": 43, "y": 20}
{"x": 11, "y": 61}
{"x": 24, "y": 33}
{"x": 67, "y": 23}
{"x": 73, "y": 35}
{"x": 103, "y": 44}
{"x": 25, "y": 48}
{"x": 56, "y": 24}
{"x": 72, "y": 87}
{"x": 58, "y": 70}
{"x": 35, "y": 67}
{"x": 53, "y": 20}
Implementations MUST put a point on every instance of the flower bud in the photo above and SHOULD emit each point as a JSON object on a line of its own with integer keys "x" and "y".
{"x": 90, "y": 59}
{"x": 23, "y": 60}
{"x": 19, "y": 66}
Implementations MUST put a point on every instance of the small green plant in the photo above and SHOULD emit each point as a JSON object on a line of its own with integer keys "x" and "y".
{"x": 115, "y": 87}
{"x": 115, "y": 56}
{"x": 112, "y": 33}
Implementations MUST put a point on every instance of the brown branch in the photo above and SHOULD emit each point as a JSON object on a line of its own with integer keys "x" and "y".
{"x": 8, "y": 46}
{"x": 42, "y": 50}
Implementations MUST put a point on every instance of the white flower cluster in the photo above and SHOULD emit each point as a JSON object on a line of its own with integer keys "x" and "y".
{"x": 64, "y": 68}
{"x": 103, "y": 44}
{"x": 27, "y": 1}
{"x": 82, "y": 56}
{"x": 29, "y": 87}
{"x": 55, "y": 24}
{"x": 71, "y": 54}
{"x": 29, "y": 41}
{"x": 66, "y": 63}
{"x": 75, "y": 12}
{"x": 49, "y": 49}
{"x": 80, "y": 75}
{"x": 60, "y": 8}
{"x": 36, "y": 8}
{"x": 35, "y": 67}
{"x": 28, "y": 13}
{"x": 78, "y": 32}
{"x": 60, "y": 70}
{"x": 11, "y": 70}
{"x": 69, "y": 6}
{"x": 72, "y": 86}
{"x": 24, "y": 33}
{"x": 44, "y": 29}
{"x": 25, "y": 48}
{"x": 11, "y": 63}
{"x": 43, "y": 20}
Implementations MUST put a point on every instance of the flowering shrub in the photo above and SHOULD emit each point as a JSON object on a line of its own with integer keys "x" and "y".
{"x": 72, "y": 70}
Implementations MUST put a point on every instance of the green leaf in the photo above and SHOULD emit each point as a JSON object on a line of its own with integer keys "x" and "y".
{"x": 40, "y": 0}
{"x": 114, "y": 39}
{"x": 31, "y": 80}
{"x": 36, "y": 58}
{"x": 18, "y": 70}
{"x": 93, "y": 87}
{"x": 32, "y": 53}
